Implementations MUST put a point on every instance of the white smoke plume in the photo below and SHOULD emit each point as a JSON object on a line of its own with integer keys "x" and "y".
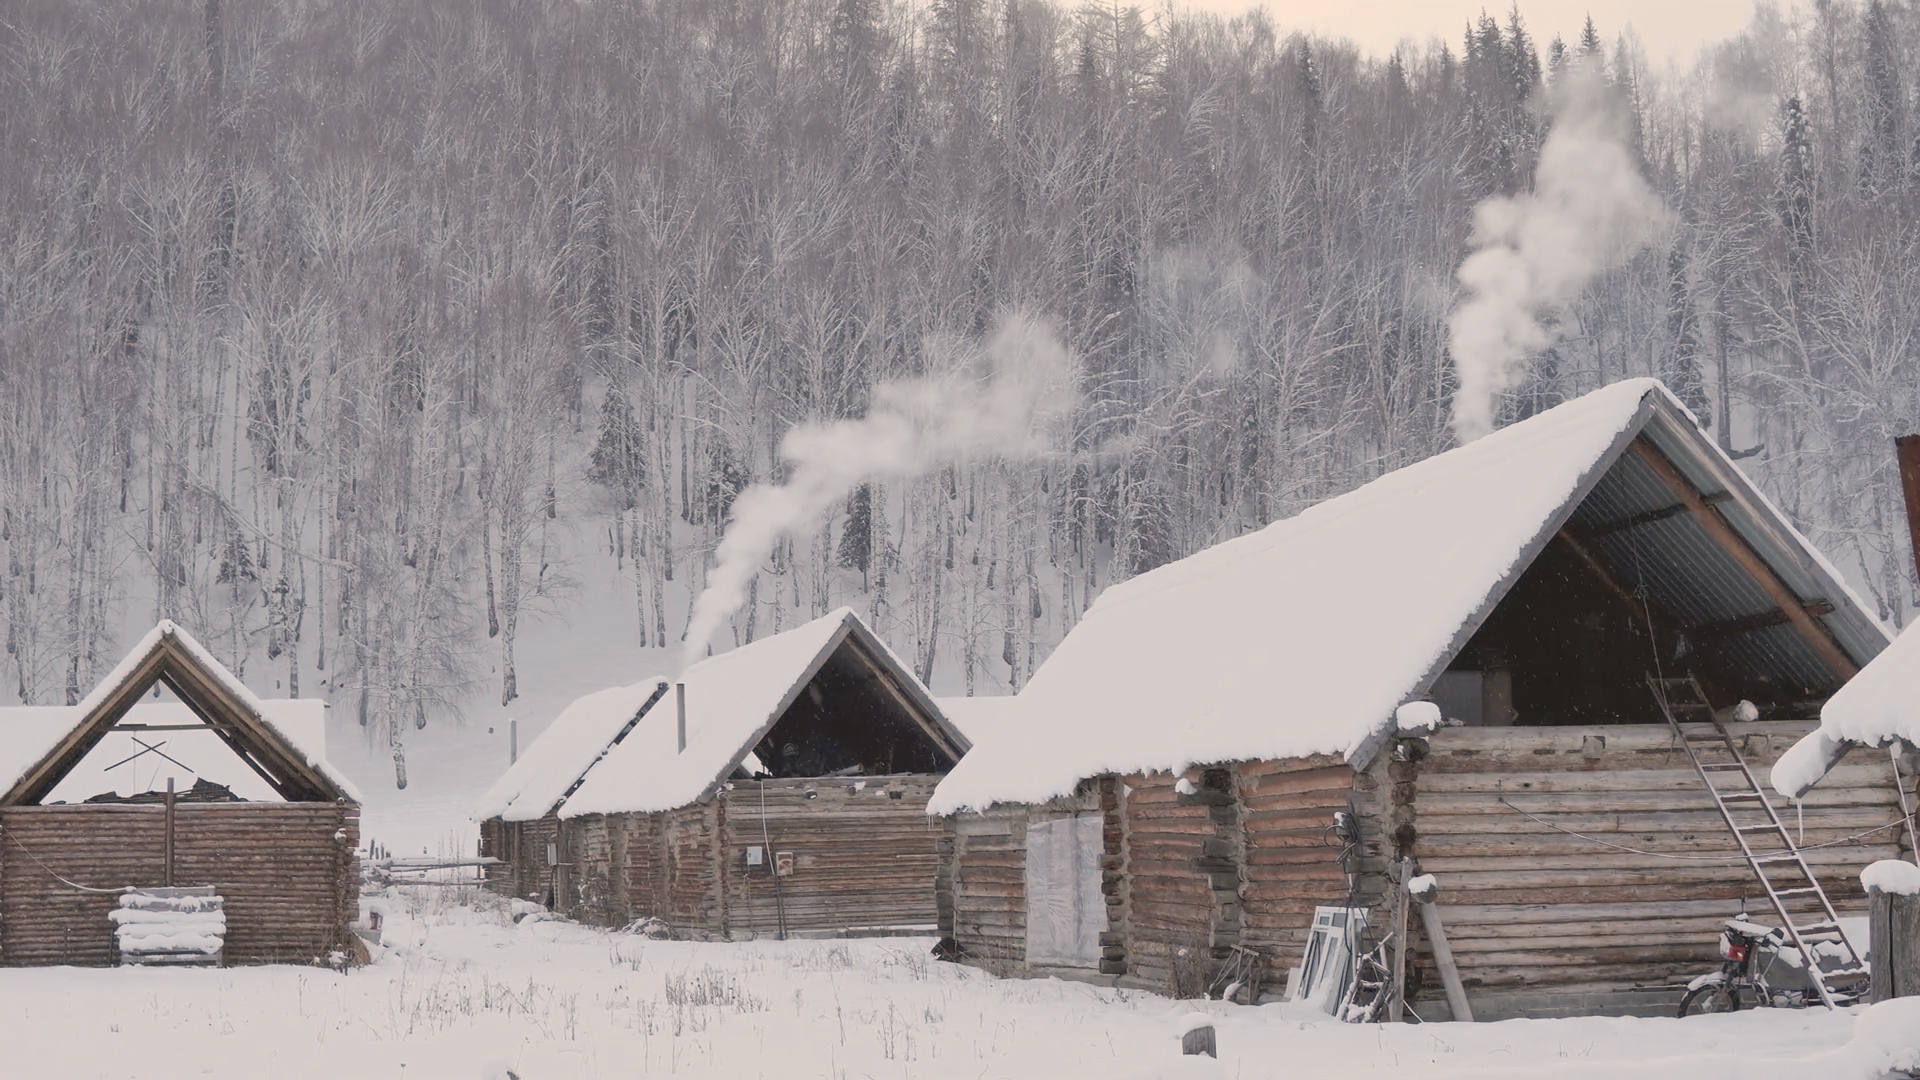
{"x": 1590, "y": 210}
{"x": 1004, "y": 398}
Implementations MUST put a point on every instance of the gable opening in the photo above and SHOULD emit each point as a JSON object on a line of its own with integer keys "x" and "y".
{"x": 850, "y": 720}
{"x": 162, "y": 739}
{"x": 1650, "y": 576}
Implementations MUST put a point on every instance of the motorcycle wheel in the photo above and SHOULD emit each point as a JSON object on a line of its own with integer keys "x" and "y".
{"x": 1714, "y": 998}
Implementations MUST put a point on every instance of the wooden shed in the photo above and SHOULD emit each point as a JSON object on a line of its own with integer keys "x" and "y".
{"x": 520, "y": 814}
{"x": 776, "y": 789}
{"x": 1208, "y": 775}
{"x": 282, "y": 863}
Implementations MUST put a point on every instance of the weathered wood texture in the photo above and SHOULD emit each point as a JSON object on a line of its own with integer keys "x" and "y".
{"x": 1636, "y": 899}
{"x": 1293, "y": 861}
{"x": 863, "y": 852}
{"x": 990, "y": 885}
{"x": 1241, "y": 857}
{"x": 1181, "y": 879}
{"x": 1894, "y": 929}
{"x": 525, "y": 872}
{"x": 286, "y": 872}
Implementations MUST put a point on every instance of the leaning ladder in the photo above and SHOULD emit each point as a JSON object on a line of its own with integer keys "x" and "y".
{"x": 1784, "y": 872}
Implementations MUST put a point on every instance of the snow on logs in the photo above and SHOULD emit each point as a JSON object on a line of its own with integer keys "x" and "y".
{"x": 1893, "y": 922}
{"x": 170, "y": 926}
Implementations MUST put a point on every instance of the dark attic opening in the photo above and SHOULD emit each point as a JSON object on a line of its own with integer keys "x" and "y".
{"x": 851, "y": 719}
{"x": 1657, "y": 573}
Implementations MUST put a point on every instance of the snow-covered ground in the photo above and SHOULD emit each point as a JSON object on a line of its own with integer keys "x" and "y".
{"x": 465, "y": 993}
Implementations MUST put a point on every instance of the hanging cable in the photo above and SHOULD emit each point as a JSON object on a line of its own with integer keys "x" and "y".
{"x": 55, "y": 874}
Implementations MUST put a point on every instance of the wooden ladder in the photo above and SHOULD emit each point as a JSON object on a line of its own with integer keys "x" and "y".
{"x": 1783, "y": 872}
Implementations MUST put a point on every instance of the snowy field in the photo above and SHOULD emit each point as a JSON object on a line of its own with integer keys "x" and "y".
{"x": 463, "y": 992}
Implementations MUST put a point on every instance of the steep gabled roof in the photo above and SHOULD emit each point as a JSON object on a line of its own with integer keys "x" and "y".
{"x": 558, "y": 761}
{"x": 1302, "y": 638}
{"x": 170, "y": 656}
{"x": 733, "y": 701}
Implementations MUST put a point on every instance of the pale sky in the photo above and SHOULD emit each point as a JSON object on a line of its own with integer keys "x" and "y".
{"x": 1668, "y": 29}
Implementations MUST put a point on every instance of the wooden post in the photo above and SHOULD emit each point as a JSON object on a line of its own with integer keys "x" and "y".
{"x": 1894, "y": 927}
{"x": 169, "y": 881}
{"x": 1397, "y": 1005}
{"x": 1442, "y": 951}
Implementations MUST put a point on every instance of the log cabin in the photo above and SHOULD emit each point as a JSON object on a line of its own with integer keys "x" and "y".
{"x": 1208, "y": 782}
{"x": 520, "y": 814}
{"x": 274, "y": 840}
{"x": 778, "y": 789}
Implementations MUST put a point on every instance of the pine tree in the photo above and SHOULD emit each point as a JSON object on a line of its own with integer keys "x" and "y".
{"x": 1682, "y": 369}
{"x": 1885, "y": 105}
{"x": 856, "y": 540}
{"x": 1794, "y": 195}
{"x": 1307, "y": 77}
{"x": 1590, "y": 48}
{"x": 619, "y": 462}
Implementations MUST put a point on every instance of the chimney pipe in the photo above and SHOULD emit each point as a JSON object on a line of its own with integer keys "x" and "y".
{"x": 1906, "y": 449}
{"x": 680, "y": 706}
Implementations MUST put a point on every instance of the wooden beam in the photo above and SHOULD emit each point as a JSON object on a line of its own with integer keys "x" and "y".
{"x": 1749, "y": 623}
{"x": 1650, "y": 516}
{"x": 1582, "y": 551}
{"x": 1816, "y": 635}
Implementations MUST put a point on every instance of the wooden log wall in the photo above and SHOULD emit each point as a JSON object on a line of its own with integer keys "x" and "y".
{"x": 287, "y": 873}
{"x": 645, "y": 874}
{"x": 596, "y": 892}
{"x": 1542, "y": 920}
{"x": 496, "y": 842}
{"x": 990, "y": 885}
{"x": 1292, "y": 856}
{"x": 1179, "y": 872}
{"x": 864, "y": 855}
{"x": 531, "y": 875}
{"x": 690, "y": 837}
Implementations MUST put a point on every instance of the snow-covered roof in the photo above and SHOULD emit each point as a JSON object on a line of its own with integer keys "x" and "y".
{"x": 1878, "y": 706}
{"x": 35, "y": 736}
{"x": 565, "y": 752}
{"x": 1303, "y": 637}
{"x": 732, "y": 700}
{"x": 980, "y": 718}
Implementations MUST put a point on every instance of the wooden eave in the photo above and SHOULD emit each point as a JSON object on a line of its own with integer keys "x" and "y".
{"x": 251, "y": 738}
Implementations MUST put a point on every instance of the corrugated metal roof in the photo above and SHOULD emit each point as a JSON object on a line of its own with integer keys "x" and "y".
{"x": 1655, "y": 546}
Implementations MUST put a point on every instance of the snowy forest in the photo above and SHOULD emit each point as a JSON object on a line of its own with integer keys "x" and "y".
{"x": 341, "y": 332}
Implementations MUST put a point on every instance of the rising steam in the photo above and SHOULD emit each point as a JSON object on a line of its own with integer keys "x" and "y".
{"x": 1589, "y": 211}
{"x": 1003, "y": 398}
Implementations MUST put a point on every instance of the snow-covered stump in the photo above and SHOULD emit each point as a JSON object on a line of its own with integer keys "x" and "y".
{"x": 170, "y": 926}
{"x": 1893, "y": 909}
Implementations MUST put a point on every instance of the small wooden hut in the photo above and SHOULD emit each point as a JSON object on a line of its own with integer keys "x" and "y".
{"x": 1208, "y": 781}
{"x": 777, "y": 789}
{"x": 281, "y": 864}
{"x": 520, "y": 814}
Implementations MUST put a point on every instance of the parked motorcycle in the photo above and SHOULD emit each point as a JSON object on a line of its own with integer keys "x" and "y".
{"x": 1754, "y": 972}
